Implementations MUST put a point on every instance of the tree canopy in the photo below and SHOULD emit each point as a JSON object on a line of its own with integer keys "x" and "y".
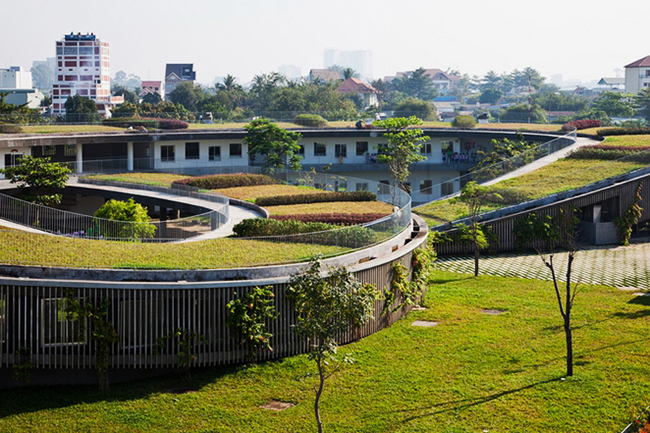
{"x": 278, "y": 146}
{"x": 35, "y": 177}
{"x": 403, "y": 148}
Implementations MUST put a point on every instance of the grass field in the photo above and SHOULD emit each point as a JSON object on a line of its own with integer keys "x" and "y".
{"x": 154, "y": 179}
{"x": 34, "y": 249}
{"x": 254, "y": 192}
{"x": 332, "y": 207}
{"x": 67, "y": 129}
{"x": 473, "y": 372}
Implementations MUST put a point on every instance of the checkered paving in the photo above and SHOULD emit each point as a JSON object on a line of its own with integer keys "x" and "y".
{"x": 607, "y": 265}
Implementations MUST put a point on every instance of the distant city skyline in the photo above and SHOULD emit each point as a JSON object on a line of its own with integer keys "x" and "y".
{"x": 250, "y": 37}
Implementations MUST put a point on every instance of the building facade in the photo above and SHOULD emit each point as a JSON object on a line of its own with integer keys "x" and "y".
{"x": 83, "y": 68}
{"x": 176, "y": 73}
{"x": 637, "y": 75}
{"x": 348, "y": 152}
{"x": 16, "y": 84}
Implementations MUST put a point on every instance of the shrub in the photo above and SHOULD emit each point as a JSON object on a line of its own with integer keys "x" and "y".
{"x": 254, "y": 227}
{"x": 581, "y": 124}
{"x": 318, "y": 197}
{"x": 218, "y": 181}
{"x": 624, "y": 131}
{"x": 344, "y": 219}
{"x": 610, "y": 153}
{"x": 148, "y": 123}
{"x": 320, "y": 233}
{"x": 464, "y": 122}
{"x": 310, "y": 120}
{"x": 7, "y": 128}
{"x": 130, "y": 220}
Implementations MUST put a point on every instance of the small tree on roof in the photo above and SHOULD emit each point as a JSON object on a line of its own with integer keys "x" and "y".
{"x": 278, "y": 146}
{"x": 35, "y": 177}
{"x": 403, "y": 148}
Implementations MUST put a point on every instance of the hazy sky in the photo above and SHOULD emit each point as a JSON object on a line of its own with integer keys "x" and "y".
{"x": 578, "y": 39}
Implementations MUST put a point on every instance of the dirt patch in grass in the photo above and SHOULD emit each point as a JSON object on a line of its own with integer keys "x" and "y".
{"x": 277, "y": 405}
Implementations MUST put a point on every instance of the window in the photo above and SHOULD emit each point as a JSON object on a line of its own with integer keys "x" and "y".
{"x": 426, "y": 187}
{"x": 191, "y": 150}
{"x": 320, "y": 149}
{"x": 362, "y": 186}
{"x": 235, "y": 150}
{"x": 60, "y": 326}
{"x": 70, "y": 150}
{"x": 167, "y": 153}
{"x": 49, "y": 150}
{"x": 341, "y": 151}
{"x": 362, "y": 147}
{"x": 647, "y": 72}
{"x": 446, "y": 189}
{"x": 214, "y": 153}
{"x": 301, "y": 150}
{"x": 425, "y": 149}
{"x": 340, "y": 185}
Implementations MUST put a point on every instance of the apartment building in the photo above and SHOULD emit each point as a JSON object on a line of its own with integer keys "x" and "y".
{"x": 83, "y": 68}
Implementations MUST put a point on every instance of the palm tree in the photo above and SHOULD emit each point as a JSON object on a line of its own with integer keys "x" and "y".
{"x": 348, "y": 73}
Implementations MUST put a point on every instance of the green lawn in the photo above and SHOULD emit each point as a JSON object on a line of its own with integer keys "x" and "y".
{"x": 154, "y": 179}
{"x": 472, "y": 373}
{"x": 33, "y": 249}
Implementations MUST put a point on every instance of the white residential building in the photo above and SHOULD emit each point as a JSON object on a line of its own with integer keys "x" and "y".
{"x": 637, "y": 75}
{"x": 16, "y": 84}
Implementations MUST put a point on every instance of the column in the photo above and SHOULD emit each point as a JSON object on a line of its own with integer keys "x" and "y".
{"x": 80, "y": 158}
{"x": 129, "y": 156}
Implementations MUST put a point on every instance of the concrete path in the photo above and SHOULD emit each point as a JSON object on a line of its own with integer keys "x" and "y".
{"x": 610, "y": 265}
{"x": 581, "y": 141}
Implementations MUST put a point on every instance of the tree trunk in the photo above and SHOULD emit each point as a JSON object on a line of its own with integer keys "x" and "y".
{"x": 569, "y": 345}
{"x": 319, "y": 391}
{"x": 477, "y": 253}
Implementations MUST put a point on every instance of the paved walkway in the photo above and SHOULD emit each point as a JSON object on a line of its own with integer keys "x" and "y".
{"x": 580, "y": 141}
{"x": 622, "y": 267}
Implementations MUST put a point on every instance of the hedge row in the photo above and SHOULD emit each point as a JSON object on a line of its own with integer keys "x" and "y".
{"x": 314, "y": 232}
{"x": 309, "y": 120}
{"x": 317, "y": 197}
{"x": 218, "y": 181}
{"x": 147, "y": 123}
{"x": 581, "y": 124}
{"x": 8, "y": 128}
{"x": 624, "y": 131}
{"x": 343, "y": 219}
{"x": 589, "y": 152}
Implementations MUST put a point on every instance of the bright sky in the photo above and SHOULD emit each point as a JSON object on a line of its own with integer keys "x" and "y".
{"x": 578, "y": 39}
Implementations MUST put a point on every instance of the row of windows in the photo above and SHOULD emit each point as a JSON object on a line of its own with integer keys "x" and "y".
{"x": 320, "y": 149}
{"x": 192, "y": 151}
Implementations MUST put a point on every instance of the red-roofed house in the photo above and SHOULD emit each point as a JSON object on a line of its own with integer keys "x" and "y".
{"x": 637, "y": 75}
{"x": 152, "y": 87}
{"x": 325, "y": 75}
{"x": 358, "y": 87}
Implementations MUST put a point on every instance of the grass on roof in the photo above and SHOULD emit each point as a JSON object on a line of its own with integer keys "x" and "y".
{"x": 472, "y": 372}
{"x": 154, "y": 179}
{"x": 23, "y": 248}
{"x": 562, "y": 175}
